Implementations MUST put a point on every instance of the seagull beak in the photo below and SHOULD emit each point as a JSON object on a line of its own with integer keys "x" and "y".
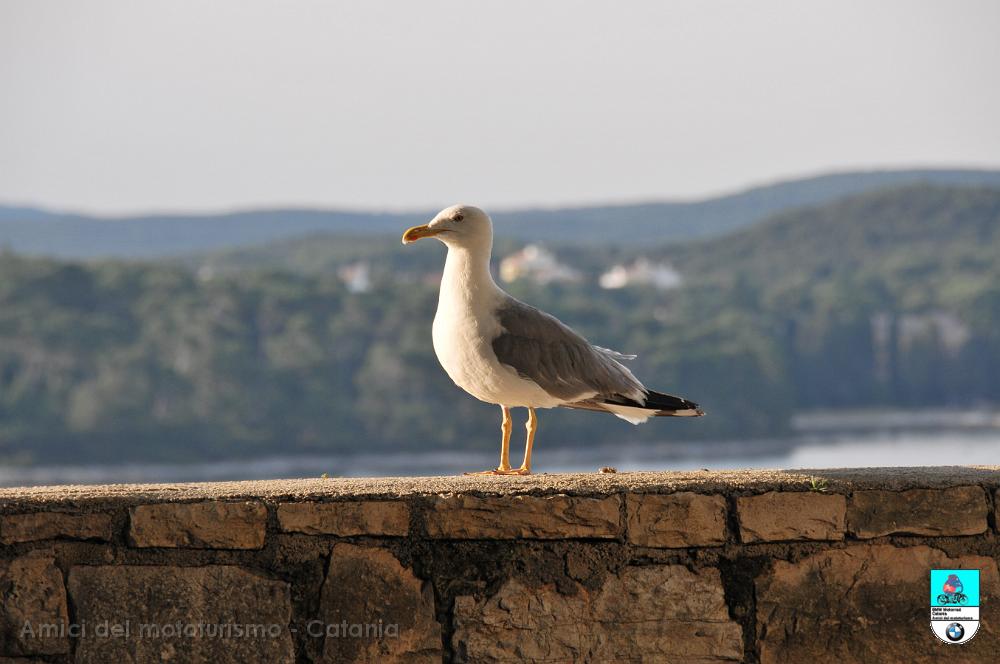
{"x": 418, "y": 232}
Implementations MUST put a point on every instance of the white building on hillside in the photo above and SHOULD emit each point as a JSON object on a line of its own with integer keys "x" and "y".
{"x": 642, "y": 272}
{"x": 538, "y": 264}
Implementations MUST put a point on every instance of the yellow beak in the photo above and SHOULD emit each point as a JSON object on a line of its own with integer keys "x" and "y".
{"x": 419, "y": 232}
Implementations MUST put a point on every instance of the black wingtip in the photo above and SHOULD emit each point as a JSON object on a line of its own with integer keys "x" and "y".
{"x": 668, "y": 402}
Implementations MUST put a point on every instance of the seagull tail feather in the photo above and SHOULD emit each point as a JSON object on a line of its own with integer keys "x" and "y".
{"x": 656, "y": 404}
{"x": 668, "y": 405}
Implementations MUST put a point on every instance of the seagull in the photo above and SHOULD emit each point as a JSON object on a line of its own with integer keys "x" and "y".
{"x": 505, "y": 352}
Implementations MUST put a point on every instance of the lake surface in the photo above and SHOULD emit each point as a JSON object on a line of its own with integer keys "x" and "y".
{"x": 825, "y": 450}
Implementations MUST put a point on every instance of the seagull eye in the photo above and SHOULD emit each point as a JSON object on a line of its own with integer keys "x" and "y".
{"x": 458, "y": 217}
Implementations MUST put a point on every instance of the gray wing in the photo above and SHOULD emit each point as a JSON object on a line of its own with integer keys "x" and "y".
{"x": 557, "y": 359}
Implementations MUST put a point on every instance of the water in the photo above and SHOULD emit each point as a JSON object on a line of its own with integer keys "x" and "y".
{"x": 827, "y": 450}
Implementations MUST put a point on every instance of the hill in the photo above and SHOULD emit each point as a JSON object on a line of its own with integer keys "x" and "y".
{"x": 927, "y": 246}
{"x": 38, "y": 232}
{"x": 889, "y": 298}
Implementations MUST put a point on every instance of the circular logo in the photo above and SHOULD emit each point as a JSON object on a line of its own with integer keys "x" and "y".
{"x": 955, "y": 632}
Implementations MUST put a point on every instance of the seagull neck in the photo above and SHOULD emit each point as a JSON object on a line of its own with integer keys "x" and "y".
{"x": 467, "y": 274}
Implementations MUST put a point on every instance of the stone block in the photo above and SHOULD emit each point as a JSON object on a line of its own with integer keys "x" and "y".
{"x": 935, "y": 512}
{"x": 867, "y": 603}
{"x": 791, "y": 515}
{"x": 372, "y": 609}
{"x": 35, "y": 526}
{"x": 662, "y": 613}
{"x": 368, "y": 517}
{"x": 205, "y": 525}
{"x": 676, "y": 520}
{"x": 528, "y": 517}
{"x": 33, "y": 616}
{"x": 214, "y": 613}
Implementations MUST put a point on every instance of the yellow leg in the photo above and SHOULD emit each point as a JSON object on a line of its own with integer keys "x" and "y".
{"x": 505, "y": 428}
{"x": 531, "y": 426}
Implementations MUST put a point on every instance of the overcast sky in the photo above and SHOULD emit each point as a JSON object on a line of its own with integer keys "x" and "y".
{"x": 128, "y": 105}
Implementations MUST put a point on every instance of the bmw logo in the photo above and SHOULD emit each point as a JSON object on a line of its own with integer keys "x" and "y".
{"x": 955, "y": 632}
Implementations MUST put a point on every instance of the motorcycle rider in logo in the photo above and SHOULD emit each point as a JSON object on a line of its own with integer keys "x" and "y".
{"x": 952, "y": 585}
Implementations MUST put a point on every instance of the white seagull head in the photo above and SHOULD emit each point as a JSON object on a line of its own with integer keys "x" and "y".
{"x": 457, "y": 226}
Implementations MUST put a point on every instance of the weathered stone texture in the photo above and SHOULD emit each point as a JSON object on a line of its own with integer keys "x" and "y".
{"x": 368, "y": 517}
{"x": 676, "y": 520}
{"x": 35, "y": 526}
{"x": 996, "y": 506}
{"x": 796, "y": 515}
{"x": 937, "y": 512}
{"x": 530, "y": 517}
{"x": 867, "y": 603}
{"x": 664, "y": 613}
{"x": 590, "y": 568}
{"x": 33, "y": 617}
{"x": 368, "y": 591}
{"x": 215, "y": 613}
{"x": 204, "y": 525}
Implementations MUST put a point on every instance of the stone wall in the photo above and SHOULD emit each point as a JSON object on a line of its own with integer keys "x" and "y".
{"x": 756, "y": 566}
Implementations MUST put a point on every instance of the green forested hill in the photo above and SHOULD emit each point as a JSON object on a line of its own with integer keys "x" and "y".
{"x": 928, "y": 246}
{"x": 890, "y": 298}
{"x": 886, "y": 298}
